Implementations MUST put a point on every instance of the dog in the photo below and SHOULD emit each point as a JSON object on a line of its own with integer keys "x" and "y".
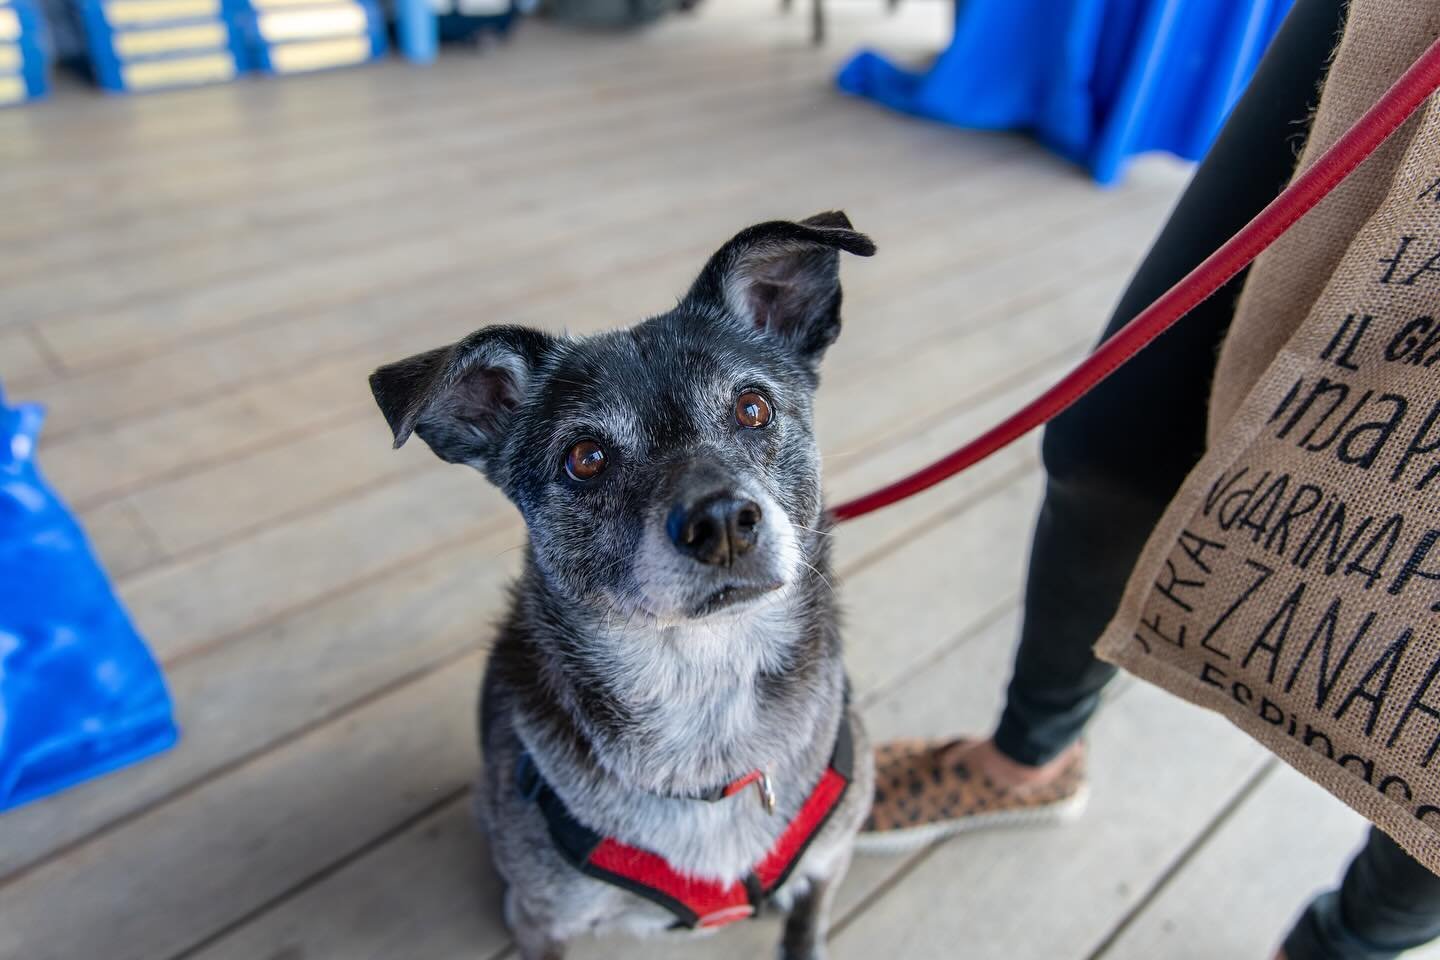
{"x": 665, "y": 722}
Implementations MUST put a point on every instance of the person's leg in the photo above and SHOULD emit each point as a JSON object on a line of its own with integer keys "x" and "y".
{"x": 1115, "y": 459}
{"x": 1388, "y": 903}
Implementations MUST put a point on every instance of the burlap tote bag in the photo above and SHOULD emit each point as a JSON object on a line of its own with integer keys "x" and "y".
{"x": 1293, "y": 585}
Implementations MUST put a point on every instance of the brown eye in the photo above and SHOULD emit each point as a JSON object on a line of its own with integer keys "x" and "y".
{"x": 752, "y": 411}
{"x": 585, "y": 461}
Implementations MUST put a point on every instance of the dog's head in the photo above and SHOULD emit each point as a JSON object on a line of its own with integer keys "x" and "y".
{"x": 669, "y": 470}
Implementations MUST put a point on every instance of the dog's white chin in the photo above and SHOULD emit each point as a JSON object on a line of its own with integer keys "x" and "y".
{"x": 744, "y": 636}
{"x": 684, "y": 614}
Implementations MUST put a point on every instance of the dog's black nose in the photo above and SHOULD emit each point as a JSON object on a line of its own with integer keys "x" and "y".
{"x": 716, "y": 530}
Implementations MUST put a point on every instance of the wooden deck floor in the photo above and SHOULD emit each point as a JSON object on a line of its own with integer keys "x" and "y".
{"x": 197, "y": 283}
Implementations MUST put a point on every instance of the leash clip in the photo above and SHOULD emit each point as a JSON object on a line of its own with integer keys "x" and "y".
{"x": 767, "y": 791}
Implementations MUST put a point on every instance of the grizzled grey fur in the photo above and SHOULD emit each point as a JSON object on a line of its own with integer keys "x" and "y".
{"x": 634, "y": 674}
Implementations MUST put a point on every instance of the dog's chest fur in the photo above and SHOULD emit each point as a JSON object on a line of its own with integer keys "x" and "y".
{"x": 624, "y": 719}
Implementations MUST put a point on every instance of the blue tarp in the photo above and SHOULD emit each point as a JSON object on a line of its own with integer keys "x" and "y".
{"x": 79, "y": 692}
{"x": 1098, "y": 81}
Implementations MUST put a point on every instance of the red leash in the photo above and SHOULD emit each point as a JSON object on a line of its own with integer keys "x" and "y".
{"x": 1347, "y": 153}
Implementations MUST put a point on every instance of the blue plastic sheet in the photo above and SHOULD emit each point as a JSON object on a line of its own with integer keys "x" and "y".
{"x": 79, "y": 692}
{"x": 1099, "y": 81}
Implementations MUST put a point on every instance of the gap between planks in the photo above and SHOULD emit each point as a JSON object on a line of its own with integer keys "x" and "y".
{"x": 1162, "y": 882}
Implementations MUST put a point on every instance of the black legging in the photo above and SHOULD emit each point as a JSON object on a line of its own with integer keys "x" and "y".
{"x": 1104, "y": 494}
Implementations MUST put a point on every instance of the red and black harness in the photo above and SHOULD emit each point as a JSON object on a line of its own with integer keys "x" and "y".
{"x": 695, "y": 902}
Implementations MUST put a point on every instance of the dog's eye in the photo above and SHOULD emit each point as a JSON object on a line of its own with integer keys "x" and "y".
{"x": 752, "y": 411}
{"x": 585, "y": 461}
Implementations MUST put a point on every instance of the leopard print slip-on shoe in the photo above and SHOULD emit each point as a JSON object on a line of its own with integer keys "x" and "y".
{"x": 924, "y": 791}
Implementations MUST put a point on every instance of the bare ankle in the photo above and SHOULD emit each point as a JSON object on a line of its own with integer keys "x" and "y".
{"x": 985, "y": 758}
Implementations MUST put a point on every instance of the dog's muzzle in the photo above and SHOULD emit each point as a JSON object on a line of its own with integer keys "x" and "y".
{"x": 716, "y": 530}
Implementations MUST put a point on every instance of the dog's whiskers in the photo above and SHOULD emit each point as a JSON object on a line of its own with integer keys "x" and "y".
{"x": 823, "y": 533}
{"x": 816, "y": 570}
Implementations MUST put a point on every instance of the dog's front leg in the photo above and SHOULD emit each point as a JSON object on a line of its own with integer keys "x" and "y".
{"x": 809, "y": 918}
{"x": 531, "y": 935}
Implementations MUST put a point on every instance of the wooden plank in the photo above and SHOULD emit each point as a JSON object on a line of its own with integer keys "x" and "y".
{"x": 935, "y": 281}
{"x": 20, "y": 357}
{"x": 176, "y": 117}
{"x": 270, "y": 487}
{"x": 425, "y": 222}
{"x": 177, "y": 873}
{"x": 406, "y": 136}
{"x": 288, "y": 677}
{"x": 975, "y": 559}
{"x": 974, "y": 358}
{"x": 429, "y": 894}
{"x": 882, "y": 532}
{"x": 223, "y": 128}
{"x": 1161, "y": 770}
{"x": 454, "y": 125}
{"x": 472, "y": 242}
{"x": 1239, "y": 894}
{"x": 216, "y": 596}
{"x": 91, "y": 467}
{"x": 457, "y": 283}
{"x": 554, "y": 57}
{"x": 529, "y": 226}
{"x": 121, "y": 540}
{"x": 370, "y": 206}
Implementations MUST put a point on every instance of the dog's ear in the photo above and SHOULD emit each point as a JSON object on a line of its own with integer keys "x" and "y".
{"x": 460, "y": 399}
{"x": 783, "y": 279}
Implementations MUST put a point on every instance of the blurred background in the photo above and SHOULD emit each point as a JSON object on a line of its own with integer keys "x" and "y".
{"x": 200, "y": 265}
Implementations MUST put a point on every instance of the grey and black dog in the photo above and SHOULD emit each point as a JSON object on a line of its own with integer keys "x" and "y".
{"x": 675, "y": 625}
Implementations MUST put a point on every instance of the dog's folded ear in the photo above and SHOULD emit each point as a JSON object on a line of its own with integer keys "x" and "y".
{"x": 460, "y": 399}
{"x": 783, "y": 279}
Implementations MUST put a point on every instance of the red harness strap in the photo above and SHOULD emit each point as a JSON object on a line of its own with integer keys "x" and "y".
{"x": 735, "y": 786}
{"x": 694, "y": 902}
